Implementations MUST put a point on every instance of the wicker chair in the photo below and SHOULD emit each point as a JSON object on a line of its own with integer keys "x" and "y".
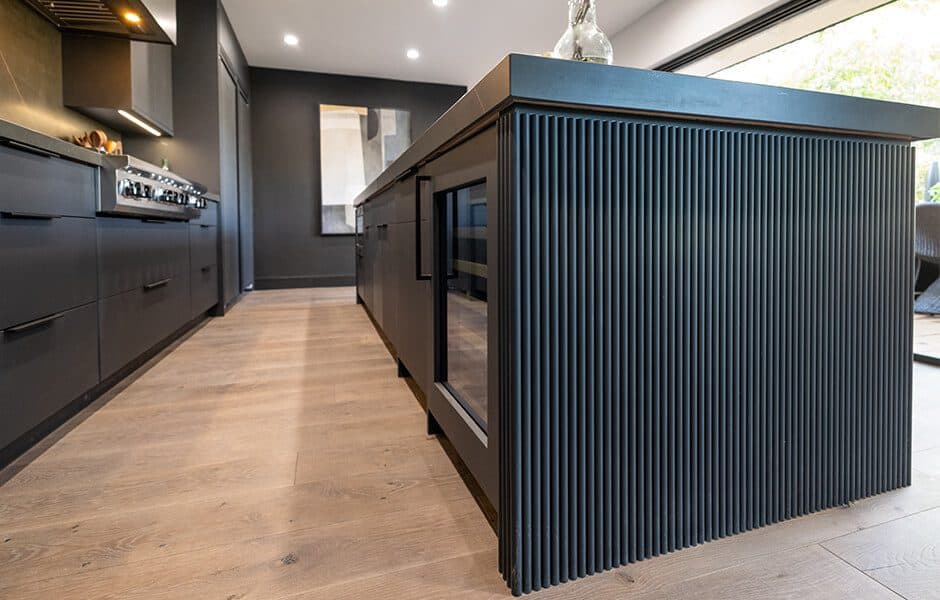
{"x": 927, "y": 250}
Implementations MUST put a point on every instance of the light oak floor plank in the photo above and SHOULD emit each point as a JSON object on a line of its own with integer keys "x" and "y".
{"x": 275, "y": 454}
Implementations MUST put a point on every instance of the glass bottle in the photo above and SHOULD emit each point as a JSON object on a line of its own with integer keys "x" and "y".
{"x": 584, "y": 40}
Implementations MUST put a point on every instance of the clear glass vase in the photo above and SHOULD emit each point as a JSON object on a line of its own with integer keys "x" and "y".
{"x": 584, "y": 40}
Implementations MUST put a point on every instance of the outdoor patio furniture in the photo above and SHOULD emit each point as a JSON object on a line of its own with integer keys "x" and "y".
{"x": 927, "y": 250}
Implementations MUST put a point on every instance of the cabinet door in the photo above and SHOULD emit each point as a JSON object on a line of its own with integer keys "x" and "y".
{"x": 134, "y": 322}
{"x": 36, "y": 184}
{"x": 44, "y": 367}
{"x": 365, "y": 261}
{"x": 378, "y": 276}
{"x": 46, "y": 266}
{"x": 203, "y": 246}
{"x": 133, "y": 253}
{"x": 414, "y": 314}
{"x": 228, "y": 186}
{"x": 391, "y": 283}
{"x": 203, "y": 289}
{"x": 245, "y": 202}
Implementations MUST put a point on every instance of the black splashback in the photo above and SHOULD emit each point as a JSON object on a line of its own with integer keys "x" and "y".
{"x": 709, "y": 331}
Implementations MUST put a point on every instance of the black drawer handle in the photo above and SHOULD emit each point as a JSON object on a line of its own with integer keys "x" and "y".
{"x": 154, "y": 221}
{"x": 29, "y": 215}
{"x": 205, "y": 226}
{"x": 206, "y": 269}
{"x": 30, "y": 148}
{"x": 384, "y": 226}
{"x": 157, "y": 284}
{"x": 36, "y": 323}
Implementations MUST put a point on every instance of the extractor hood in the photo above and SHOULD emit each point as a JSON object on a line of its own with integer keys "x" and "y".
{"x": 125, "y": 84}
{"x": 141, "y": 20}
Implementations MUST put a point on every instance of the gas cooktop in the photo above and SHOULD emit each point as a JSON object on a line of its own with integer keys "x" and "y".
{"x": 131, "y": 187}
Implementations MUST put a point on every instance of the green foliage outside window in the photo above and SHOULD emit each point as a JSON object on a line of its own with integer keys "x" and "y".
{"x": 889, "y": 53}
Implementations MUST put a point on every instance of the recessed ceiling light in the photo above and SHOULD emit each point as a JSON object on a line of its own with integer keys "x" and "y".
{"x": 440, "y": 3}
{"x": 291, "y": 40}
{"x": 413, "y": 54}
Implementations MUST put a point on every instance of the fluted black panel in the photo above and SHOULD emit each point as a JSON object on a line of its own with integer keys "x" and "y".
{"x": 709, "y": 330}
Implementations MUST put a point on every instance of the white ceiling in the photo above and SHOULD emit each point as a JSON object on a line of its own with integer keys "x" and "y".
{"x": 458, "y": 44}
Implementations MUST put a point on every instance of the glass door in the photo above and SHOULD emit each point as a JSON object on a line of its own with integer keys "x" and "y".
{"x": 464, "y": 348}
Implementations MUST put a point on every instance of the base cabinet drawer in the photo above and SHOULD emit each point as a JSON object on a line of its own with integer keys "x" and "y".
{"x": 46, "y": 266}
{"x": 132, "y": 252}
{"x": 35, "y": 184}
{"x": 208, "y": 215}
{"x": 204, "y": 246}
{"x": 45, "y": 367}
{"x": 133, "y": 322}
{"x": 204, "y": 287}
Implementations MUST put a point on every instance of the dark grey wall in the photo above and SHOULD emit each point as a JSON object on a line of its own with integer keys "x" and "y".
{"x": 289, "y": 250}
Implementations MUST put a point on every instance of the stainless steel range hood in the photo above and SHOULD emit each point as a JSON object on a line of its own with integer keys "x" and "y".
{"x": 140, "y": 20}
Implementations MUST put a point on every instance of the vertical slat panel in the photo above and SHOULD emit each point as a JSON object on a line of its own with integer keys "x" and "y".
{"x": 708, "y": 331}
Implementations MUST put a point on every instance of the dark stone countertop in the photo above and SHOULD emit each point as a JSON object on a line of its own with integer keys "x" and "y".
{"x": 550, "y": 82}
{"x": 26, "y": 139}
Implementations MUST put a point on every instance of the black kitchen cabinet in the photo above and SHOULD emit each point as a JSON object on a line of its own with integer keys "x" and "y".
{"x": 236, "y": 217}
{"x": 84, "y": 298}
{"x": 204, "y": 250}
{"x": 204, "y": 261}
{"x": 378, "y": 276}
{"x": 133, "y": 253}
{"x": 583, "y": 257}
{"x": 44, "y": 366}
{"x": 400, "y": 295}
{"x": 155, "y": 277}
{"x": 33, "y": 182}
{"x": 204, "y": 288}
{"x": 133, "y": 322}
{"x": 46, "y": 266}
{"x": 415, "y": 336}
{"x": 246, "y": 216}
{"x": 228, "y": 191}
{"x": 391, "y": 258}
{"x": 48, "y": 291}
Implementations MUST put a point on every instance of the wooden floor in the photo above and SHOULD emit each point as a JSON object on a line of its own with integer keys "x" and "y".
{"x": 274, "y": 454}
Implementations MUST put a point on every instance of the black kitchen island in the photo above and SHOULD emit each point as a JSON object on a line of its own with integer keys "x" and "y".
{"x": 651, "y": 310}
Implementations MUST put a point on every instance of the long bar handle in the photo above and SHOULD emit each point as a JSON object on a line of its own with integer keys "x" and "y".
{"x": 157, "y": 284}
{"x": 36, "y": 323}
{"x": 28, "y": 215}
{"x": 30, "y": 148}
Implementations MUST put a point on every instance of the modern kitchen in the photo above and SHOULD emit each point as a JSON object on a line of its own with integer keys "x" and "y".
{"x": 451, "y": 299}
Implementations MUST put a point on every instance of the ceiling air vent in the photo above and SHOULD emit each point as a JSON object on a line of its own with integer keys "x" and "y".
{"x": 141, "y": 20}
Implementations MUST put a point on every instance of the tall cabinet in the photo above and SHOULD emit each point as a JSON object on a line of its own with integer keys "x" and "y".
{"x": 246, "y": 216}
{"x": 235, "y": 187}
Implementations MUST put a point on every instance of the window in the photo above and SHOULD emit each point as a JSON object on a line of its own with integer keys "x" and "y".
{"x": 889, "y": 53}
{"x": 464, "y": 224}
